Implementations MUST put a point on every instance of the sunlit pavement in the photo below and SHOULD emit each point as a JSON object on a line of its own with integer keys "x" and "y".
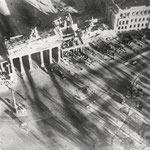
{"x": 60, "y": 116}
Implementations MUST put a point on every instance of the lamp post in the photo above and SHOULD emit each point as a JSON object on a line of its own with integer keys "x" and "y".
{"x": 13, "y": 98}
{"x": 14, "y": 101}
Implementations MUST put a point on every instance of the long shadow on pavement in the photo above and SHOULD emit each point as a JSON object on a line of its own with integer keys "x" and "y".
{"x": 81, "y": 122}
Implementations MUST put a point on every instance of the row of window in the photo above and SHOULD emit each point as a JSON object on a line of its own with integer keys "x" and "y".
{"x": 139, "y": 25}
{"x": 144, "y": 12}
{"x": 124, "y": 15}
{"x": 123, "y": 22}
{"x": 136, "y": 13}
{"x": 123, "y": 27}
{"x": 140, "y": 19}
{"x": 133, "y": 20}
{"x": 133, "y": 26}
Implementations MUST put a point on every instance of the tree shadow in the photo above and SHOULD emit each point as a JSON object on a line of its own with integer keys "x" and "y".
{"x": 81, "y": 122}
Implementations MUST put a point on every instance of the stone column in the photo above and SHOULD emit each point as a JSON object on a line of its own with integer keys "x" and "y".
{"x": 14, "y": 101}
{"x": 12, "y": 66}
{"x": 2, "y": 67}
{"x": 30, "y": 62}
{"x": 59, "y": 54}
{"x": 8, "y": 66}
{"x": 42, "y": 59}
{"x": 50, "y": 56}
{"x": 21, "y": 65}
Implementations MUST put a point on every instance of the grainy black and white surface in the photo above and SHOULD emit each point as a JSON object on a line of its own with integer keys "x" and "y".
{"x": 89, "y": 92}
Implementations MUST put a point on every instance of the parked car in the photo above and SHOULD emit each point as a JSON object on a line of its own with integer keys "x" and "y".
{"x": 133, "y": 62}
{"x": 138, "y": 105}
{"x": 61, "y": 74}
{"x": 24, "y": 126}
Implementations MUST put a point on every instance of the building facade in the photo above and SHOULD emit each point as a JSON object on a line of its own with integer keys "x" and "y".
{"x": 29, "y": 53}
{"x": 126, "y": 16}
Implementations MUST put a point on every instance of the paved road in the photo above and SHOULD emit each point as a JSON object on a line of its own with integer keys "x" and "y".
{"x": 57, "y": 120}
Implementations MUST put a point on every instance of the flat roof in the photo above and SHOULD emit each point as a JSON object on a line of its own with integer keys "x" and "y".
{"x": 67, "y": 31}
{"x": 34, "y": 46}
{"x": 131, "y": 3}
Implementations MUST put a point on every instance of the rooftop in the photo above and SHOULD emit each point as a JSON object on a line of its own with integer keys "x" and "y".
{"x": 67, "y": 31}
{"x": 130, "y": 3}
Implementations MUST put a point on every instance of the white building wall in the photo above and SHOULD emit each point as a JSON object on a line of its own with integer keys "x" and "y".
{"x": 134, "y": 18}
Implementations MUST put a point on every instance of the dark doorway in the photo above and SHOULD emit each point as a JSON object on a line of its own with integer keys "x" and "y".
{"x": 36, "y": 57}
{"x": 16, "y": 62}
{"x": 25, "y": 60}
{"x": 46, "y": 56}
{"x": 55, "y": 54}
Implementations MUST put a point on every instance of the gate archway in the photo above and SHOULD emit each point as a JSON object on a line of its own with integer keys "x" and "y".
{"x": 16, "y": 63}
{"x": 36, "y": 57}
{"x": 25, "y": 60}
{"x": 55, "y": 54}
